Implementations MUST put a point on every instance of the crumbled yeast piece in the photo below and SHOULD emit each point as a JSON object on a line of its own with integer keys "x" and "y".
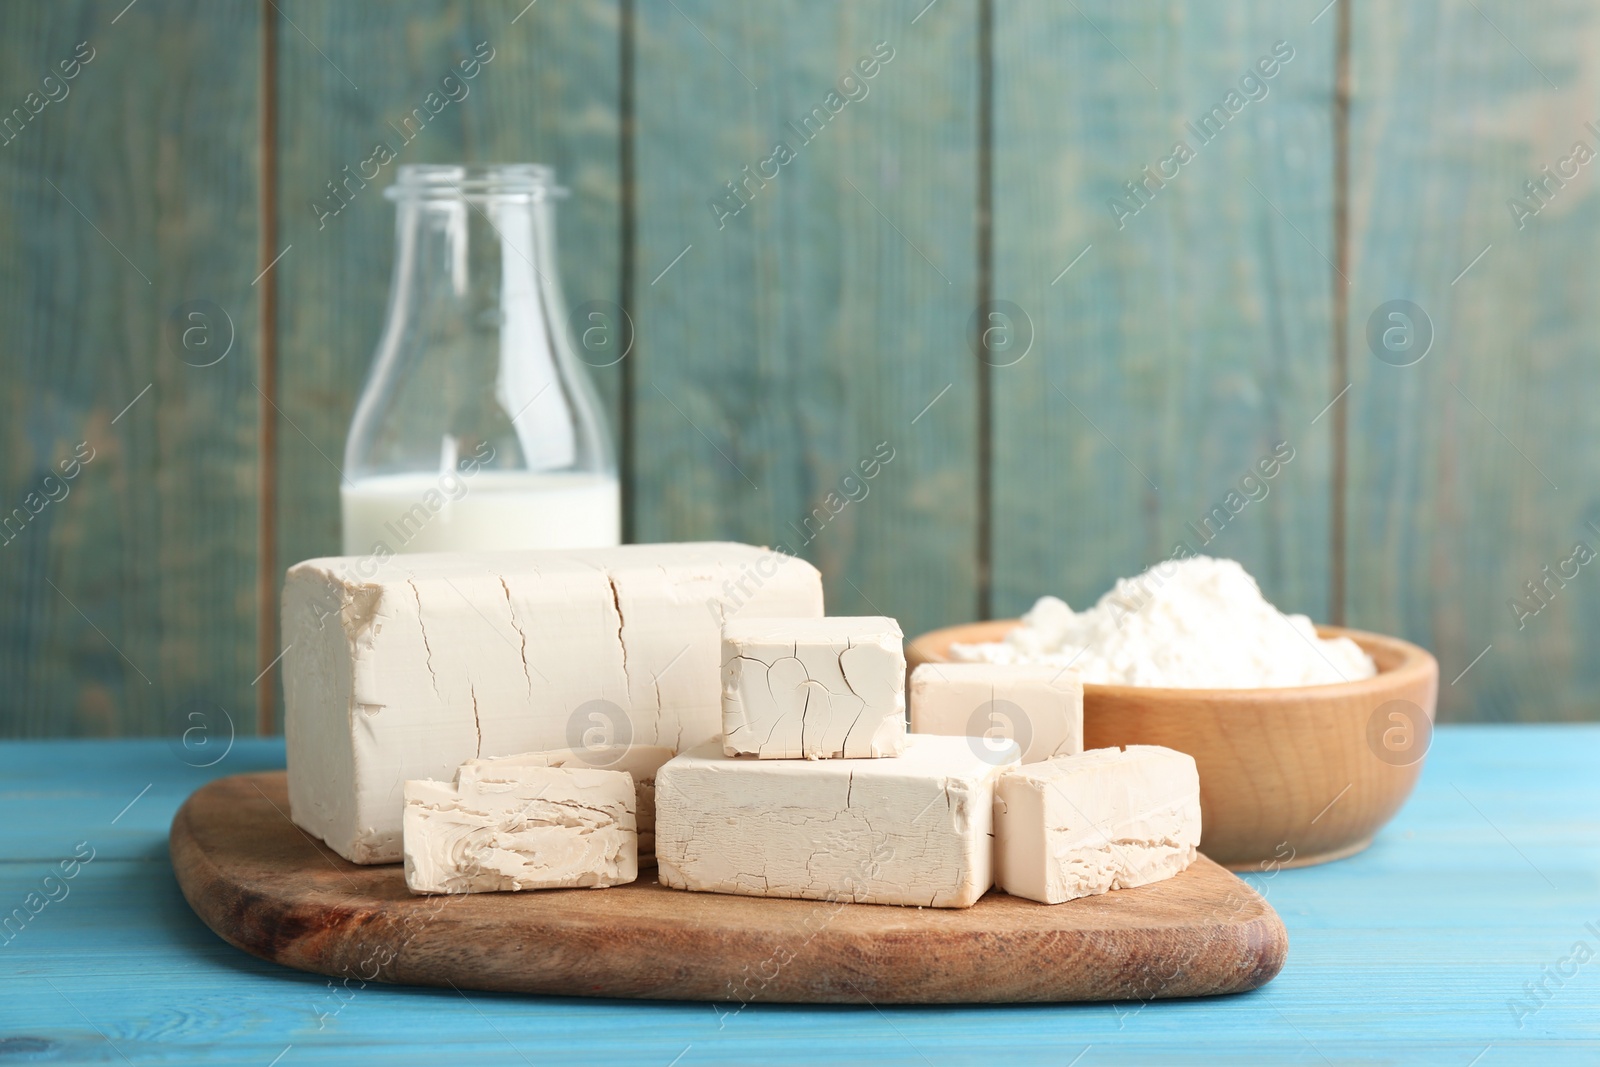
{"x": 641, "y": 762}
{"x": 503, "y": 826}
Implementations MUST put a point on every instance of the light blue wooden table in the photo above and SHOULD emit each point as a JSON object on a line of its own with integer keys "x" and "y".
{"x": 1416, "y": 951}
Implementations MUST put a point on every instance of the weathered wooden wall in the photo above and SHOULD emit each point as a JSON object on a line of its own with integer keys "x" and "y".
{"x": 130, "y": 600}
{"x": 1143, "y": 359}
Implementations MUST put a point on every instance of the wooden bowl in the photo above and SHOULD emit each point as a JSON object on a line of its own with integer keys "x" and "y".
{"x": 1288, "y": 777}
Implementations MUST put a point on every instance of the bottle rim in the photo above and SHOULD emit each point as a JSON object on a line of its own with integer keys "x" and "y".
{"x": 457, "y": 181}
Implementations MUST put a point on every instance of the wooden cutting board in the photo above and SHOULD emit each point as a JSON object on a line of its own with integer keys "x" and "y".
{"x": 268, "y": 888}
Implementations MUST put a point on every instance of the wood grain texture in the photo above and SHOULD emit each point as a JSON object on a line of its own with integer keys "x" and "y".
{"x": 261, "y": 884}
{"x": 131, "y": 597}
{"x": 1472, "y": 470}
{"x": 1193, "y": 335}
{"x": 817, "y": 318}
{"x": 1288, "y": 777}
{"x": 1404, "y": 953}
{"x": 825, "y": 316}
{"x": 348, "y": 75}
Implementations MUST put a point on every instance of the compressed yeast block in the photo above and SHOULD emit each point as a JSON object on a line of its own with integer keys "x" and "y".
{"x": 641, "y": 762}
{"x": 503, "y": 826}
{"x": 1075, "y": 826}
{"x": 829, "y": 688}
{"x": 1039, "y": 707}
{"x": 405, "y": 667}
{"x": 913, "y": 830}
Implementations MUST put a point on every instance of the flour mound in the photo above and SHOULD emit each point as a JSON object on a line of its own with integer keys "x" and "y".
{"x": 1197, "y": 623}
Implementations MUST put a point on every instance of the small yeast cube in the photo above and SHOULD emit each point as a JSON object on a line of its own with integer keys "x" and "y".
{"x": 913, "y": 830}
{"x": 830, "y": 688}
{"x": 1107, "y": 819}
{"x": 507, "y": 826}
{"x": 1039, "y": 707}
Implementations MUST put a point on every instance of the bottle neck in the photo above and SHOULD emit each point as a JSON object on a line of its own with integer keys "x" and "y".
{"x": 476, "y": 354}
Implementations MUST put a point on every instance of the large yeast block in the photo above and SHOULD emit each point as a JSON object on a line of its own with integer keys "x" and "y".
{"x": 407, "y": 667}
{"x": 831, "y": 688}
{"x": 502, "y": 826}
{"x": 1039, "y": 707}
{"x": 912, "y": 830}
{"x": 1108, "y": 819}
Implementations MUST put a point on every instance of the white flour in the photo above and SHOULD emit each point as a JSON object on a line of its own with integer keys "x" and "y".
{"x": 1198, "y": 623}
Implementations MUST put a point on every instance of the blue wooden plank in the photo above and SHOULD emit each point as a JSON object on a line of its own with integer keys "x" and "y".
{"x": 1410, "y": 952}
{"x": 127, "y": 203}
{"x": 801, "y": 377}
{"x": 1163, "y": 209}
{"x": 120, "y": 798}
{"x": 1471, "y": 461}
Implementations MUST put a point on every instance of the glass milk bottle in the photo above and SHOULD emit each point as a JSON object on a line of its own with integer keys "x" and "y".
{"x": 477, "y": 428}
